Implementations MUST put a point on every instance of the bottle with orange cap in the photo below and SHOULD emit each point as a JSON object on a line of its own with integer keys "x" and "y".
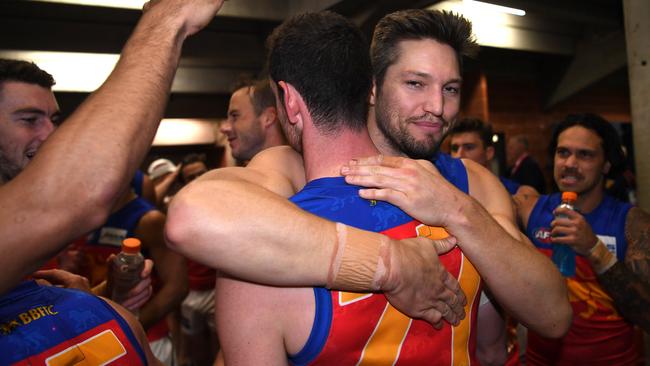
{"x": 127, "y": 266}
{"x": 563, "y": 255}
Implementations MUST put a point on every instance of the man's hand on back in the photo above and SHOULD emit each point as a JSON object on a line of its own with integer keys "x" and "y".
{"x": 419, "y": 286}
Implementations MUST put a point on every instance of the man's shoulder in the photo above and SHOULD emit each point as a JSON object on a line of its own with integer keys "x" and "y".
{"x": 453, "y": 169}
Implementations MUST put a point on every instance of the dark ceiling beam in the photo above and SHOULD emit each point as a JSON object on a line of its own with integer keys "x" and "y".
{"x": 594, "y": 12}
{"x": 593, "y": 61}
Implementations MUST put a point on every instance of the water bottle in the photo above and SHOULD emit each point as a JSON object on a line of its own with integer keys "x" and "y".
{"x": 563, "y": 255}
{"x": 127, "y": 266}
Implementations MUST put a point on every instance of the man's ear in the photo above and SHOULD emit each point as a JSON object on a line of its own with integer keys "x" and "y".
{"x": 489, "y": 153}
{"x": 373, "y": 92}
{"x": 607, "y": 167}
{"x": 268, "y": 117}
{"x": 294, "y": 105}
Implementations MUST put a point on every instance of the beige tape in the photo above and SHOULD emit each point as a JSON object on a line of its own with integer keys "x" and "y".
{"x": 360, "y": 260}
{"x": 601, "y": 259}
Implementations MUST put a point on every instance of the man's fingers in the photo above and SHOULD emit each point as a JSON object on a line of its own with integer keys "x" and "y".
{"x": 446, "y": 312}
{"x": 378, "y": 179}
{"x": 148, "y": 267}
{"x": 140, "y": 287}
{"x": 433, "y": 317}
{"x": 388, "y": 195}
{"x": 444, "y": 245}
{"x": 55, "y": 276}
{"x": 452, "y": 284}
{"x": 390, "y": 161}
{"x": 136, "y": 302}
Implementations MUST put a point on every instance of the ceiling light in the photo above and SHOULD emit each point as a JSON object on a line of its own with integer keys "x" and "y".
{"x": 481, "y": 6}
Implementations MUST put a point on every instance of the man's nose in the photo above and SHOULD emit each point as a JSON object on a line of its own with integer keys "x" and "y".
{"x": 435, "y": 103}
{"x": 225, "y": 127}
{"x": 571, "y": 161}
{"x": 46, "y": 129}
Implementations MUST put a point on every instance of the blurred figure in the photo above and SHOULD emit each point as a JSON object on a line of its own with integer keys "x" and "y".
{"x": 134, "y": 217}
{"x": 192, "y": 167}
{"x": 143, "y": 186}
{"x": 522, "y": 168}
{"x": 252, "y": 124}
{"x": 163, "y": 174}
{"x": 471, "y": 138}
{"x": 610, "y": 291}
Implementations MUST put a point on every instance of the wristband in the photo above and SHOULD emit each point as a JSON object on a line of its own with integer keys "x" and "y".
{"x": 601, "y": 259}
{"x": 360, "y": 260}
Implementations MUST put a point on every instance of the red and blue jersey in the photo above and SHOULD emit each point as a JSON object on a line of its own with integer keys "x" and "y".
{"x": 598, "y": 335}
{"x": 363, "y": 329}
{"x": 44, "y": 325}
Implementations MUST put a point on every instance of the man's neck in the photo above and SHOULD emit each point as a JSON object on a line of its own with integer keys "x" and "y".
{"x": 325, "y": 154}
{"x": 274, "y": 137}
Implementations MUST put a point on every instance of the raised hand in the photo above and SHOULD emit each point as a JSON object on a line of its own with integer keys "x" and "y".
{"x": 195, "y": 14}
{"x": 140, "y": 293}
{"x": 62, "y": 278}
{"x": 572, "y": 230}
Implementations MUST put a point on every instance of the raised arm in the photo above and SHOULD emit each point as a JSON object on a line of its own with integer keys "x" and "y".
{"x": 518, "y": 276}
{"x": 228, "y": 220}
{"x": 61, "y": 195}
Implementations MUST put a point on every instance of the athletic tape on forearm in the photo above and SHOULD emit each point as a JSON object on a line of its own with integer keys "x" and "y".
{"x": 601, "y": 259}
{"x": 360, "y": 260}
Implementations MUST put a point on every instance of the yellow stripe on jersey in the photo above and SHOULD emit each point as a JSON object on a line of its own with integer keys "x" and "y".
{"x": 98, "y": 350}
{"x": 386, "y": 341}
{"x": 347, "y": 298}
{"x": 469, "y": 280}
{"x": 431, "y": 232}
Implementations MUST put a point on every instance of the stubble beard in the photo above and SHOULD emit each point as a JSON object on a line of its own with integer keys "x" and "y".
{"x": 8, "y": 169}
{"x": 399, "y": 137}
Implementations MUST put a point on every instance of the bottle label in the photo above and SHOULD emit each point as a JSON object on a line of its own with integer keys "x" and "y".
{"x": 112, "y": 236}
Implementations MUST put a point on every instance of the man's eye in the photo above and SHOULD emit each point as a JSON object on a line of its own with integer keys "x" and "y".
{"x": 562, "y": 153}
{"x": 452, "y": 90}
{"x": 414, "y": 83}
{"x": 585, "y": 154}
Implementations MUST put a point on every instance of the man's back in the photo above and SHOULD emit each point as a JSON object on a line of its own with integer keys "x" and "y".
{"x": 42, "y": 323}
{"x": 326, "y": 327}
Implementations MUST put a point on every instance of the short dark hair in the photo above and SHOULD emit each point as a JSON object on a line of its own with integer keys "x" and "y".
{"x": 475, "y": 125}
{"x": 261, "y": 96}
{"x": 193, "y": 158}
{"x": 24, "y": 71}
{"x": 325, "y": 57}
{"x": 416, "y": 24}
{"x": 610, "y": 140}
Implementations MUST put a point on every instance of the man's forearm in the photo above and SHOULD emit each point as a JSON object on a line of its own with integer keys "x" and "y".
{"x": 520, "y": 277}
{"x": 250, "y": 233}
{"x": 631, "y": 293}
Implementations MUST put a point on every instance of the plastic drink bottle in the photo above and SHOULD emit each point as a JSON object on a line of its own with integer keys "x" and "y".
{"x": 127, "y": 266}
{"x": 563, "y": 255}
